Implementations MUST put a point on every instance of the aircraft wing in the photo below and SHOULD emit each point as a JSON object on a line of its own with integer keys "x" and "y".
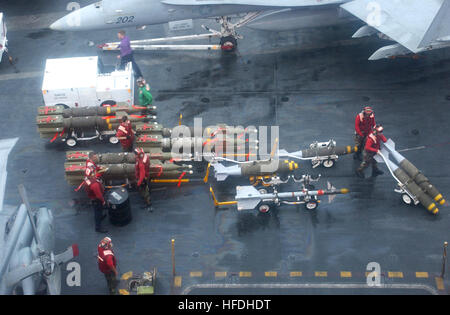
{"x": 260, "y": 3}
{"x": 416, "y": 25}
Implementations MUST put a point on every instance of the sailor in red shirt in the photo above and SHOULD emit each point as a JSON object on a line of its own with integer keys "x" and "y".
{"x": 125, "y": 134}
{"x": 95, "y": 192}
{"x": 364, "y": 122}
{"x": 107, "y": 263}
{"x": 91, "y": 168}
{"x": 142, "y": 172}
{"x": 371, "y": 148}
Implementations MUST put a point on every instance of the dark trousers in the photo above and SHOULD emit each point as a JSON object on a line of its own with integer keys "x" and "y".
{"x": 130, "y": 58}
{"x": 98, "y": 213}
{"x": 360, "y": 142}
{"x": 144, "y": 189}
{"x": 111, "y": 281}
{"x": 368, "y": 159}
{"x": 128, "y": 149}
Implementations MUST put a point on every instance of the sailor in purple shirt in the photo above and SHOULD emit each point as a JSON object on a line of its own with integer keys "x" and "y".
{"x": 126, "y": 54}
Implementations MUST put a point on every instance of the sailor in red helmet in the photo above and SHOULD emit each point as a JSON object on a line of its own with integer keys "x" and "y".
{"x": 142, "y": 172}
{"x": 371, "y": 148}
{"x": 95, "y": 191}
{"x": 107, "y": 263}
{"x": 364, "y": 122}
{"x": 125, "y": 134}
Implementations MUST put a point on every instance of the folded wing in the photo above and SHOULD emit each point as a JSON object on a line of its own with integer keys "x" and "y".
{"x": 416, "y": 25}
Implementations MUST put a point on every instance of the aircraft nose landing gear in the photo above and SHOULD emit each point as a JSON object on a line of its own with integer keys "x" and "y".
{"x": 228, "y": 43}
{"x": 227, "y": 34}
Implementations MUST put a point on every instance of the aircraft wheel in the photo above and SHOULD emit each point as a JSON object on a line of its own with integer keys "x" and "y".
{"x": 407, "y": 199}
{"x": 311, "y": 205}
{"x": 71, "y": 142}
{"x": 228, "y": 43}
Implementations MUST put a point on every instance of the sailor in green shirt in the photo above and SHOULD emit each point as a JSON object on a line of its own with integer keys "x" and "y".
{"x": 145, "y": 97}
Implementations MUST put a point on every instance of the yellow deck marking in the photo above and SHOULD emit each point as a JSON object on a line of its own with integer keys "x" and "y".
{"x": 321, "y": 274}
{"x": 127, "y": 275}
{"x": 196, "y": 274}
{"x": 346, "y": 274}
{"x": 296, "y": 274}
{"x": 245, "y": 274}
{"x": 220, "y": 274}
{"x": 421, "y": 274}
{"x": 270, "y": 273}
{"x": 395, "y": 274}
{"x": 440, "y": 283}
{"x": 368, "y": 272}
{"x": 177, "y": 282}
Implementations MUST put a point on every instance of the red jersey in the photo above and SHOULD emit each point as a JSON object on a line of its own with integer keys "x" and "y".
{"x": 106, "y": 260}
{"x": 364, "y": 125}
{"x": 94, "y": 189}
{"x": 142, "y": 168}
{"x": 373, "y": 142}
{"x": 91, "y": 168}
{"x": 125, "y": 130}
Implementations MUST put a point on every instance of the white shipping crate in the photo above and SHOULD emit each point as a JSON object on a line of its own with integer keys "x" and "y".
{"x": 77, "y": 82}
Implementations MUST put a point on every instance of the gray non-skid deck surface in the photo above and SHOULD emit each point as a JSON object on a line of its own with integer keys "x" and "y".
{"x": 311, "y": 84}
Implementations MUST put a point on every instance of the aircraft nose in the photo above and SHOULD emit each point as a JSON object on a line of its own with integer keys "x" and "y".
{"x": 85, "y": 18}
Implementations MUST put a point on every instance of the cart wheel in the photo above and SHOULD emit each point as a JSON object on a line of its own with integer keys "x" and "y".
{"x": 264, "y": 208}
{"x": 63, "y": 105}
{"x": 407, "y": 199}
{"x": 113, "y": 140}
{"x": 71, "y": 142}
{"x": 108, "y": 103}
{"x": 262, "y": 191}
{"x": 328, "y": 163}
{"x": 311, "y": 205}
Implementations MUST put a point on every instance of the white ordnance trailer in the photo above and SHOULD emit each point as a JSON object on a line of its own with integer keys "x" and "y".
{"x": 81, "y": 82}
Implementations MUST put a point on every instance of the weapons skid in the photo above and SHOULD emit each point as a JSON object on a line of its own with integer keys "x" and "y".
{"x": 253, "y": 168}
{"x": 58, "y": 120}
{"x": 248, "y": 197}
{"x": 320, "y": 153}
{"x": 94, "y": 111}
{"x": 410, "y": 180}
{"x": 195, "y": 144}
{"x": 125, "y": 172}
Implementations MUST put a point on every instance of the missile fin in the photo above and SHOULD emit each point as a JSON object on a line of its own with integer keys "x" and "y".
{"x": 330, "y": 187}
{"x": 247, "y": 197}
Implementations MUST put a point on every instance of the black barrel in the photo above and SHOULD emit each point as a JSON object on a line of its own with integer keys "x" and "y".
{"x": 119, "y": 206}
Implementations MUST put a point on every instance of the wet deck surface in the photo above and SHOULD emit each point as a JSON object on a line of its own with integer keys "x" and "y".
{"x": 311, "y": 84}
